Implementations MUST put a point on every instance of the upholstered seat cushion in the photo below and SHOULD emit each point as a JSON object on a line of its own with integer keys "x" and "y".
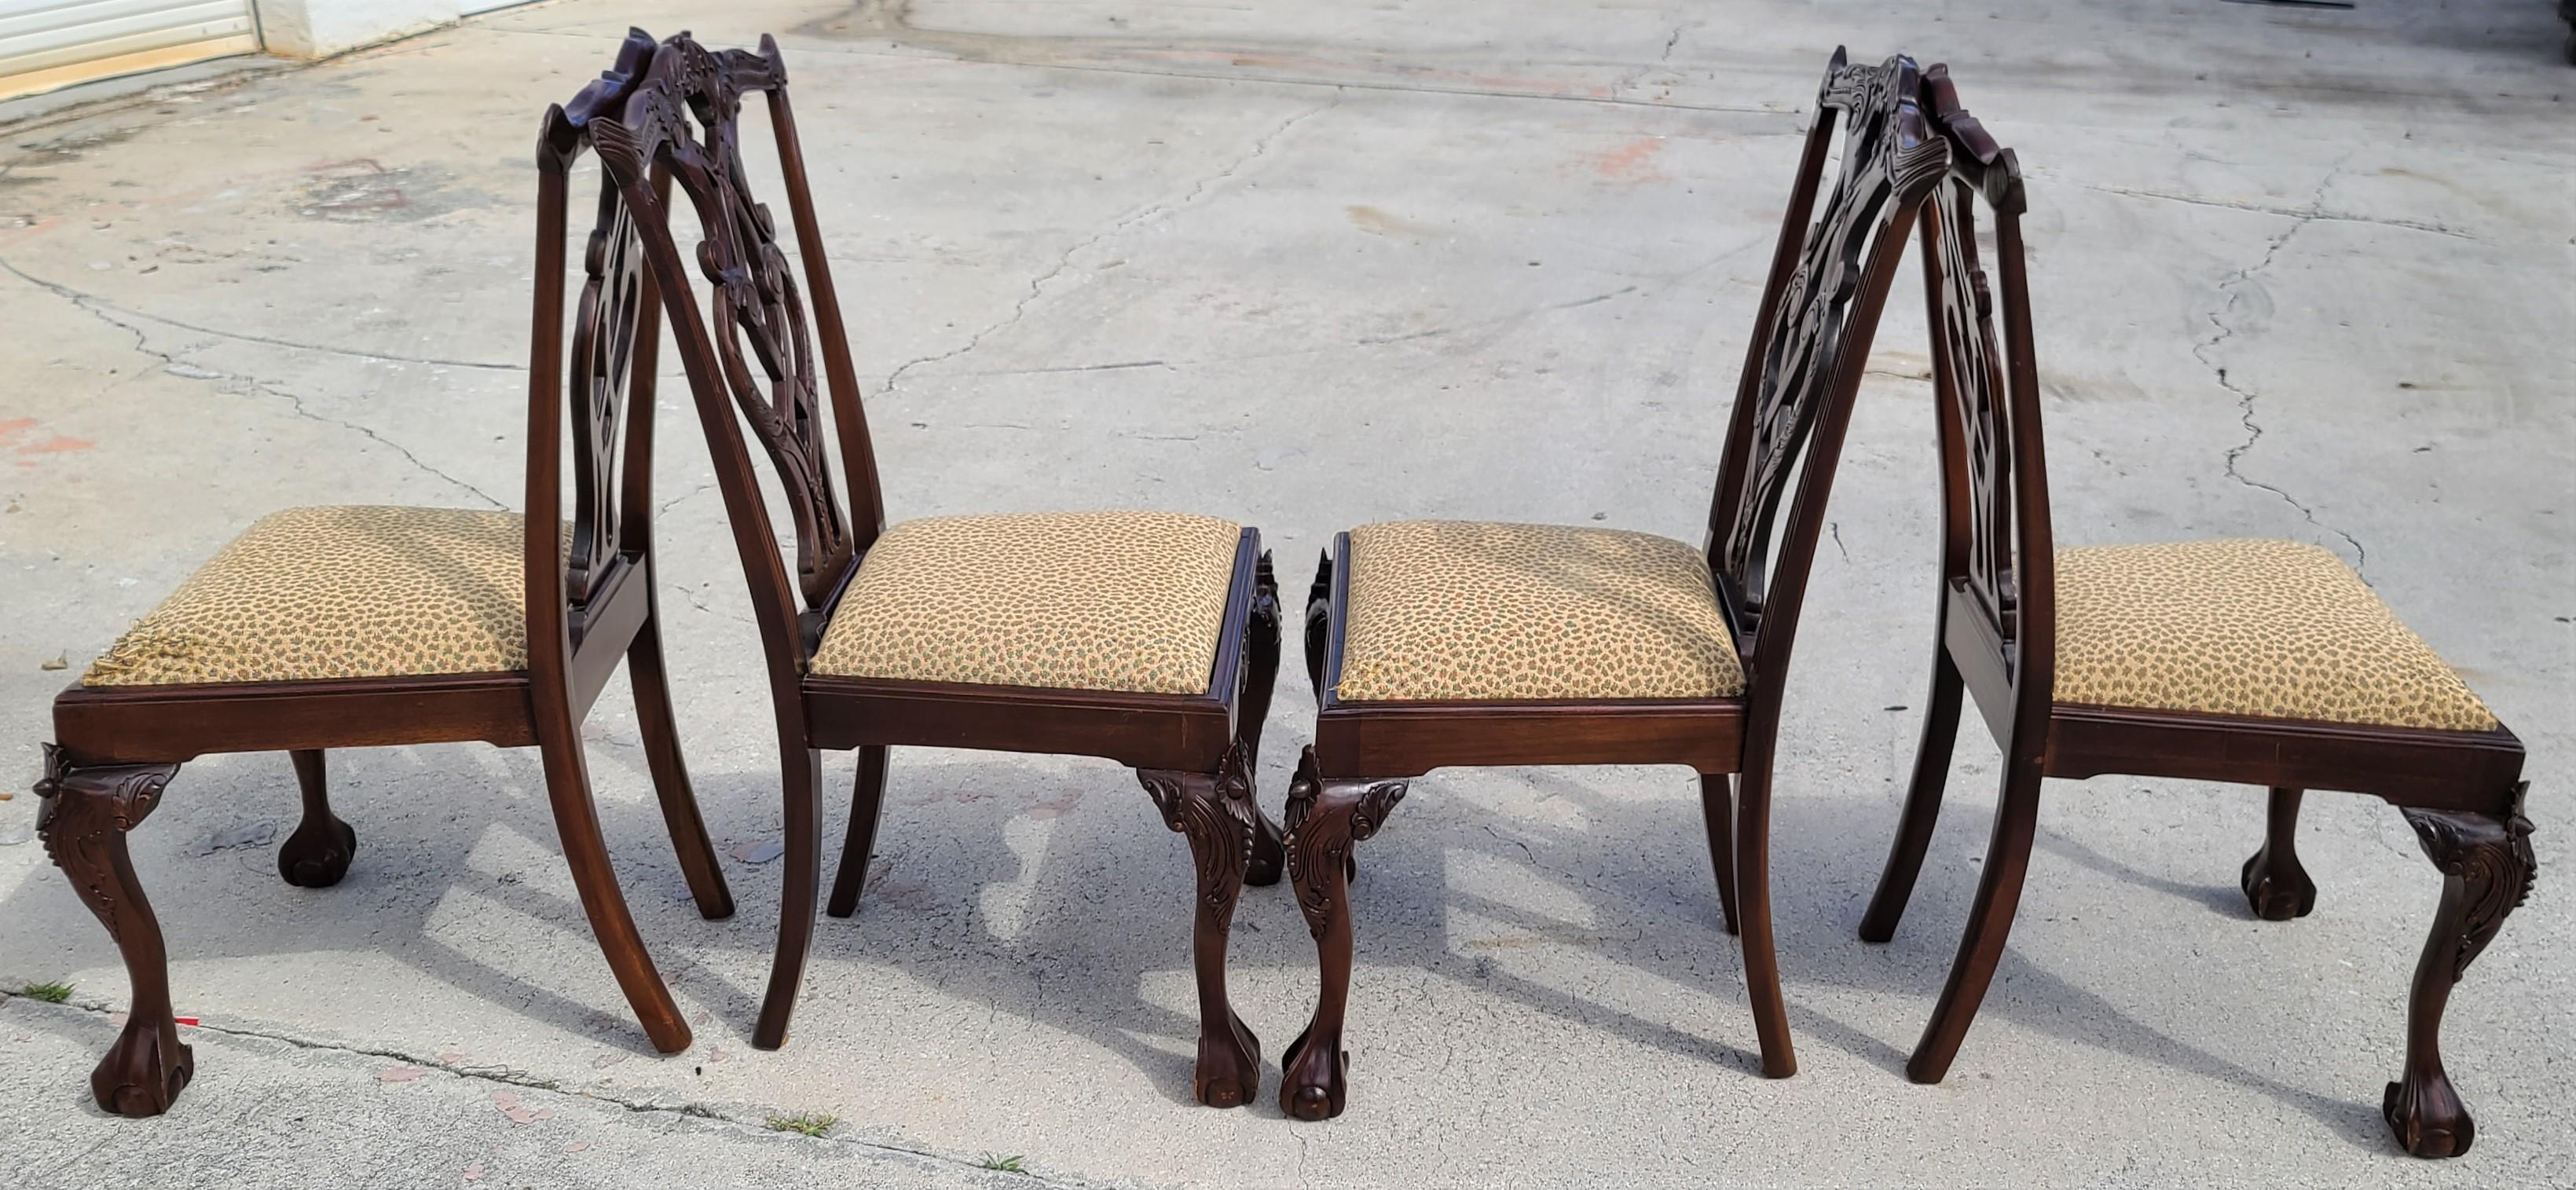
{"x": 1480, "y": 612}
{"x": 342, "y": 592}
{"x": 1127, "y": 601}
{"x": 2274, "y": 629}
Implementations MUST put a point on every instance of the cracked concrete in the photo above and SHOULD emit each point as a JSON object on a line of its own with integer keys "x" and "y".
{"x": 2300, "y": 274}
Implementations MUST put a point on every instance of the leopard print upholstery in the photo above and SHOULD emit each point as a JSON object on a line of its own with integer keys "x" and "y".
{"x": 2273, "y": 629}
{"x": 1126, "y": 601}
{"x": 311, "y": 594}
{"x": 1472, "y": 611}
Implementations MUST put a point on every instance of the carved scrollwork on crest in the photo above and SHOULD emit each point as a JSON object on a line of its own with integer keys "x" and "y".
{"x": 685, "y": 116}
{"x": 1889, "y": 162}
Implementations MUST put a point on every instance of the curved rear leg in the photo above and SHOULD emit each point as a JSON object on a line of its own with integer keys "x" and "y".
{"x": 1327, "y": 819}
{"x": 1319, "y": 615}
{"x": 317, "y": 855}
{"x": 586, "y": 853}
{"x": 1717, "y": 810}
{"x": 2276, "y": 887}
{"x": 1989, "y": 922}
{"x": 1922, "y": 802}
{"x": 803, "y": 791}
{"x": 1753, "y": 904}
{"x": 85, "y": 814}
{"x": 660, "y": 729}
{"x": 1260, "y": 675}
{"x": 2487, "y": 866}
{"x": 1216, "y": 813}
{"x": 867, "y": 808}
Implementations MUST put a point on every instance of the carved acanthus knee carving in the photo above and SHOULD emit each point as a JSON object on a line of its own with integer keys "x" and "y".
{"x": 85, "y": 814}
{"x": 2487, "y": 868}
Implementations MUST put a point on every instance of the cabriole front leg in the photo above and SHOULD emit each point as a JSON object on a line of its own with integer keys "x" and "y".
{"x": 1216, "y": 813}
{"x": 1327, "y": 819}
{"x": 2487, "y": 868}
{"x": 85, "y": 813}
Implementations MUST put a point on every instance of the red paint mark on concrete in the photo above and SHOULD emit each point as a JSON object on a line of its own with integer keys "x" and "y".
{"x": 56, "y": 445}
{"x": 398, "y": 1074}
{"x": 1056, "y": 807}
{"x": 519, "y": 1113}
{"x": 1632, "y": 162}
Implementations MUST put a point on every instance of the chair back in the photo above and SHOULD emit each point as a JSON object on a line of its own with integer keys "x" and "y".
{"x": 1810, "y": 344}
{"x": 614, "y": 333}
{"x": 750, "y": 350}
{"x": 1996, "y": 547}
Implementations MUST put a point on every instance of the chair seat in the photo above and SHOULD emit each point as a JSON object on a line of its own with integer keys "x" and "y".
{"x": 1469, "y": 611}
{"x": 1122, "y": 601}
{"x": 313, "y": 594}
{"x": 2272, "y": 629}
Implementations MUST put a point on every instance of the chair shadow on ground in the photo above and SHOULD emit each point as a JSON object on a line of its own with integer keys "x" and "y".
{"x": 943, "y": 842}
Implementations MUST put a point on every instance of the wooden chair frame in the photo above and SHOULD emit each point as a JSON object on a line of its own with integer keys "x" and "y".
{"x": 588, "y": 608}
{"x": 1194, "y": 753}
{"x": 2462, "y": 791}
{"x": 1803, "y": 365}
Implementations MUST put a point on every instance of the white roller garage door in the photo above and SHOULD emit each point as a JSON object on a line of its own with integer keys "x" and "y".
{"x": 50, "y": 43}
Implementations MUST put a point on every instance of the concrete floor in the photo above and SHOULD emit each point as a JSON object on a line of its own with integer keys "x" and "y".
{"x": 2300, "y": 273}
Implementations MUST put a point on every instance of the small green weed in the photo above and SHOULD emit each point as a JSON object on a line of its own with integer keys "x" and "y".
{"x": 810, "y": 1124}
{"x": 50, "y": 993}
{"x": 1003, "y": 1164}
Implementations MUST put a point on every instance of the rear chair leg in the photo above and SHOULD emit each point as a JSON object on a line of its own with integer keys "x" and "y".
{"x": 1922, "y": 802}
{"x": 1717, "y": 810}
{"x": 1326, "y": 820}
{"x": 2276, "y": 887}
{"x": 800, "y": 889}
{"x": 661, "y": 731}
{"x": 1990, "y": 919}
{"x": 867, "y": 806}
{"x": 1261, "y": 673}
{"x": 317, "y": 855}
{"x": 1216, "y": 812}
{"x": 85, "y": 814}
{"x": 2487, "y": 866}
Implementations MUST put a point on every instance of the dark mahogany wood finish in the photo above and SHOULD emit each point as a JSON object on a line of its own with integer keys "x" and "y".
{"x": 588, "y": 609}
{"x": 1194, "y": 753}
{"x": 2462, "y": 791}
{"x": 1810, "y": 343}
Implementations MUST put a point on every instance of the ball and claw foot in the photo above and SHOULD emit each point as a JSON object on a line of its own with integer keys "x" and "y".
{"x": 145, "y": 1070}
{"x": 317, "y": 855}
{"x": 2277, "y": 890}
{"x": 2428, "y": 1117}
{"x": 1312, "y": 1079}
{"x": 1229, "y": 1069}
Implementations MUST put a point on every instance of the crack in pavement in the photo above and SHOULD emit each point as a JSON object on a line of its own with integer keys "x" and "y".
{"x": 2311, "y": 215}
{"x": 2204, "y": 351}
{"x": 512, "y": 1076}
{"x": 186, "y": 370}
{"x": 94, "y": 304}
{"x": 1149, "y": 213}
